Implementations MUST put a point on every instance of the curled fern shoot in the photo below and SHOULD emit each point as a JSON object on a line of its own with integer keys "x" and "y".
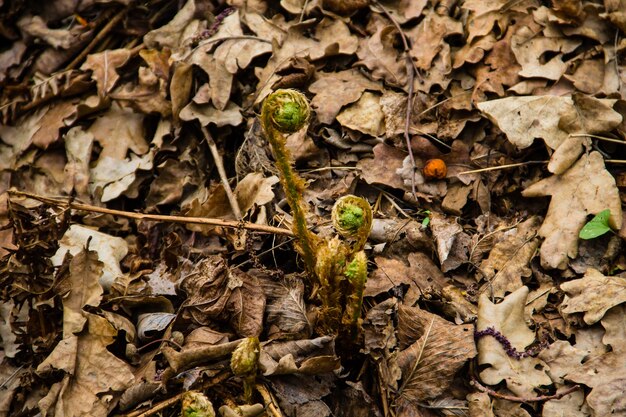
{"x": 286, "y": 111}
{"x": 352, "y": 219}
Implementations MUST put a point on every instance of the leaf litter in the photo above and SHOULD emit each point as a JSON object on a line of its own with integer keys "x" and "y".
{"x": 482, "y": 298}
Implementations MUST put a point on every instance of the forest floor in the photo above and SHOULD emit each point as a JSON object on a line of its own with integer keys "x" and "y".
{"x": 148, "y": 259}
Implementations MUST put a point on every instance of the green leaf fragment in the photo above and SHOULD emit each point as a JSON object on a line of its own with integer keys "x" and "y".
{"x": 597, "y": 226}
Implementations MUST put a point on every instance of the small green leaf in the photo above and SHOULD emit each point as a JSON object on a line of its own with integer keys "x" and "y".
{"x": 425, "y": 222}
{"x": 597, "y": 226}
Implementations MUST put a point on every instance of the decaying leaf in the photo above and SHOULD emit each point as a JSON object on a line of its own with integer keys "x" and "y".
{"x": 553, "y": 119}
{"x": 593, "y": 295}
{"x": 437, "y": 350}
{"x": 586, "y": 188}
{"x": 522, "y": 376}
{"x": 111, "y": 250}
{"x": 90, "y": 370}
{"x": 510, "y": 257}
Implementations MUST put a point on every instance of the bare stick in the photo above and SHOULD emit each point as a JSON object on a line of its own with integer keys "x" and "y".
{"x": 410, "y": 68}
{"x": 104, "y": 32}
{"x": 519, "y": 164}
{"x": 155, "y": 217}
{"x": 513, "y": 398}
{"x": 217, "y": 158}
{"x": 587, "y": 135}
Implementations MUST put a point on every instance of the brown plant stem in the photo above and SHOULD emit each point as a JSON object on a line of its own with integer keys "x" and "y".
{"x": 410, "y": 69}
{"x": 516, "y": 399}
{"x": 101, "y": 35}
{"x": 155, "y": 217}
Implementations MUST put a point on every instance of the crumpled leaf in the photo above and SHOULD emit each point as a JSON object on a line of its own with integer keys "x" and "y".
{"x": 104, "y": 66}
{"x": 118, "y": 130}
{"x": 510, "y": 257}
{"x": 522, "y": 376}
{"x": 605, "y": 375}
{"x": 306, "y": 356}
{"x": 586, "y": 188}
{"x": 111, "y": 176}
{"x": 84, "y": 290}
{"x": 421, "y": 274}
{"x": 594, "y": 294}
{"x": 111, "y": 250}
{"x": 333, "y": 90}
{"x": 78, "y": 146}
{"x": 217, "y": 292}
{"x": 530, "y": 48}
{"x": 301, "y": 395}
{"x": 427, "y": 38}
{"x": 378, "y": 54}
{"x": 382, "y": 168}
{"x": 90, "y": 370}
{"x": 437, "y": 351}
{"x": 285, "y": 308}
{"x": 365, "y": 115}
{"x": 553, "y": 119}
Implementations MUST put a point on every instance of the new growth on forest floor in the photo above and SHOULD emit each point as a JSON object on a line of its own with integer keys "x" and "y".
{"x": 312, "y": 208}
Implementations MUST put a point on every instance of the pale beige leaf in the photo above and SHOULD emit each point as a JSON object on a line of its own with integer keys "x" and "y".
{"x": 605, "y": 375}
{"x": 111, "y": 250}
{"x": 119, "y": 130}
{"x": 104, "y": 67}
{"x": 522, "y": 376}
{"x": 586, "y": 188}
{"x": 365, "y": 115}
{"x": 85, "y": 271}
{"x": 593, "y": 295}
{"x": 207, "y": 114}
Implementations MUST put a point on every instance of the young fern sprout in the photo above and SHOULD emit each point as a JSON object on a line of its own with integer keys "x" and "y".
{"x": 286, "y": 111}
{"x": 352, "y": 219}
{"x": 338, "y": 265}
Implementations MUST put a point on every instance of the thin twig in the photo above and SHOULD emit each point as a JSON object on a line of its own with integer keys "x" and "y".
{"x": 223, "y": 39}
{"x": 217, "y": 158}
{"x": 410, "y": 69}
{"x": 519, "y": 164}
{"x": 101, "y": 35}
{"x": 615, "y": 161}
{"x": 155, "y": 217}
{"x": 587, "y": 135}
{"x": 268, "y": 399}
{"x": 516, "y": 399}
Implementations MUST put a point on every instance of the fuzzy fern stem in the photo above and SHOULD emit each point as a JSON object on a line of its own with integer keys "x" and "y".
{"x": 286, "y": 111}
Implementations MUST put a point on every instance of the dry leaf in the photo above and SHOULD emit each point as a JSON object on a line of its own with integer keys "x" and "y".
{"x": 586, "y": 188}
{"x": 111, "y": 250}
{"x": 90, "y": 370}
{"x": 438, "y": 350}
{"x": 104, "y": 66}
{"x": 522, "y": 376}
{"x": 510, "y": 257}
{"x": 365, "y": 115}
{"x": 593, "y": 295}
{"x": 117, "y": 131}
{"x": 334, "y": 90}
{"x": 378, "y": 54}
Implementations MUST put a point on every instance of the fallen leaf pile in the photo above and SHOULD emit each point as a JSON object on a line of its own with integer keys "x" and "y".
{"x": 485, "y": 135}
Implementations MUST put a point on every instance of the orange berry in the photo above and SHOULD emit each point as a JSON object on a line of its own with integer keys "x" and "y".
{"x": 435, "y": 169}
